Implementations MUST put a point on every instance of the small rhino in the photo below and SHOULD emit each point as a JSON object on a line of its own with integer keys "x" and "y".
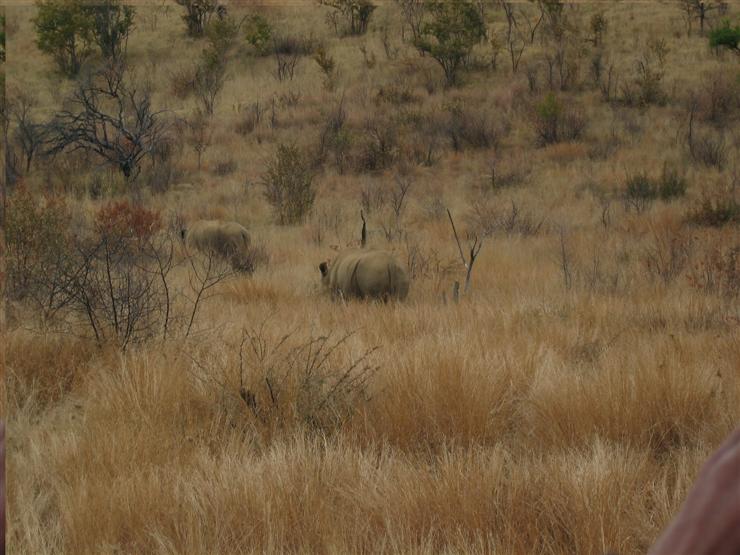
{"x": 365, "y": 274}
{"x": 227, "y": 240}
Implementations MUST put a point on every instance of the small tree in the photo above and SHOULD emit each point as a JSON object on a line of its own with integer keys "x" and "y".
{"x": 2, "y": 38}
{"x": 356, "y": 13}
{"x": 29, "y": 134}
{"x": 197, "y": 15}
{"x": 64, "y": 29}
{"x": 288, "y": 185}
{"x": 110, "y": 118}
{"x": 455, "y": 28}
{"x": 258, "y": 33}
{"x": 726, "y": 36}
{"x": 111, "y": 25}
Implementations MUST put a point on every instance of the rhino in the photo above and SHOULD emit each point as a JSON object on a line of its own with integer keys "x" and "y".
{"x": 365, "y": 274}
{"x": 229, "y": 241}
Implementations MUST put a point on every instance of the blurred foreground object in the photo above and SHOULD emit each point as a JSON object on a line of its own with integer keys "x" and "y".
{"x": 709, "y": 521}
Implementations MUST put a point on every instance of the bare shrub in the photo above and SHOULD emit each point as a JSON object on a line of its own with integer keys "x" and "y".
{"x": 288, "y": 184}
{"x": 469, "y": 128}
{"x": 488, "y": 219}
{"x": 111, "y": 118}
{"x": 505, "y": 174}
{"x": 554, "y": 122}
{"x": 428, "y": 264}
{"x": 182, "y": 82}
{"x": 37, "y": 236}
{"x": 668, "y": 253}
{"x": 251, "y": 120}
{"x": 372, "y": 197}
{"x": 715, "y": 210}
{"x": 378, "y": 145}
{"x": 224, "y": 167}
{"x": 335, "y": 138}
{"x": 646, "y": 85}
{"x": 273, "y": 382}
{"x": 718, "y": 271}
{"x": 709, "y": 148}
{"x": 719, "y": 98}
{"x": 197, "y": 15}
{"x": 396, "y": 197}
{"x": 356, "y": 15}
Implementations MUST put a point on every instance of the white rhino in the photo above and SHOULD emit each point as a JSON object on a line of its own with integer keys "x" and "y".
{"x": 227, "y": 240}
{"x": 365, "y": 274}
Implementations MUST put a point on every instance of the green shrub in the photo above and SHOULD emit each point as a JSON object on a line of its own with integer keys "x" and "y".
{"x": 671, "y": 184}
{"x": 64, "y": 30}
{"x": 258, "y": 33}
{"x": 555, "y": 122}
{"x": 455, "y": 28}
{"x": 716, "y": 210}
{"x": 640, "y": 191}
{"x": 726, "y": 36}
{"x": 288, "y": 184}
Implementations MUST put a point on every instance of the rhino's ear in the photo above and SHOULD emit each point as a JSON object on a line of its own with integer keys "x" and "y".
{"x": 323, "y": 267}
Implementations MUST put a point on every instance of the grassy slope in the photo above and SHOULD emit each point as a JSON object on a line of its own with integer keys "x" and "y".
{"x": 528, "y": 418}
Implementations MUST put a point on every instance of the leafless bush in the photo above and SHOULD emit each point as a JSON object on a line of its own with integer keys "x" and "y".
{"x": 667, "y": 254}
{"x": 378, "y": 145}
{"x": 428, "y": 263}
{"x": 709, "y": 148}
{"x": 29, "y": 135}
{"x": 397, "y": 200}
{"x": 715, "y": 209}
{"x": 505, "y": 174}
{"x": 285, "y": 65}
{"x": 646, "y": 85}
{"x": 718, "y": 271}
{"x": 251, "y": 119}
{"x": 111, "y": 118}
{"x": 274, "y": 381}
{"x": 372, "y": 197}
{"x": 198, "y": 134}
{"x": 468, "y": 128}
{"x": 335, "y": 138}
{"x": 719, "y": 99}
{"x": 488, "y": 220}
{"x": 182, "y": 82}
{"x": 224, "y": 167}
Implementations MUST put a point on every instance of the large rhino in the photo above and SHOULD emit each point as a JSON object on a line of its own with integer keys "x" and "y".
{"x": 227, "y": 240}
{"x": 365, "y": 274}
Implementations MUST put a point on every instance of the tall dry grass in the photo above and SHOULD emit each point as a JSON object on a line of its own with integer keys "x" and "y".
{"x": 564, "y": 406}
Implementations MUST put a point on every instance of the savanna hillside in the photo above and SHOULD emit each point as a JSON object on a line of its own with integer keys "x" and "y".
{"x": 158, "y": 403}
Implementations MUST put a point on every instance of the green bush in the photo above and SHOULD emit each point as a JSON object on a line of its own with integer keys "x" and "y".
{"x": 65, "y": 31}
{"x": 726, "y": 36}
{"x": 288, "y": 185}
{"x": 356, "y": 14}
{"x": 554, "y": 122}
{"x": 456, "y": 26}
{"x": 258, "y": 33}
{"x": 671, "y": 184}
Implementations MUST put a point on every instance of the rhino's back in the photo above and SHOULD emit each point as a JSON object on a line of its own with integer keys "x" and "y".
{"x": 370, "y": 273}
{"x": 223, "y": 238}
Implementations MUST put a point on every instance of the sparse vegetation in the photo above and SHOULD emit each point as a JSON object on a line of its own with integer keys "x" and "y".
{"x": 164, "y": 398}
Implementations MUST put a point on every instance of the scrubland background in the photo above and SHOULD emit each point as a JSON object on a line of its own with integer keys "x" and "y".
{"x": 564, "y": 405}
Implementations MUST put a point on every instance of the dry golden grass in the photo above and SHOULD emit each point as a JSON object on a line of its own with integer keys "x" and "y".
{"x": 537, "y": 415}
